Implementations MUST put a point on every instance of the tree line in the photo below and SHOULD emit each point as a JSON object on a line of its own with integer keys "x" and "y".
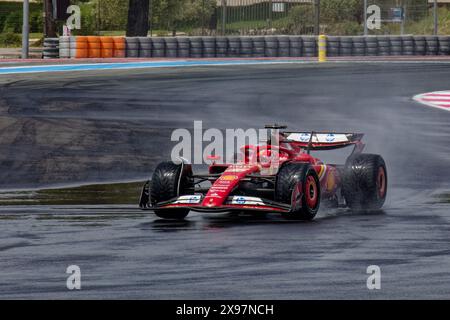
{"x": 137, "y": 17}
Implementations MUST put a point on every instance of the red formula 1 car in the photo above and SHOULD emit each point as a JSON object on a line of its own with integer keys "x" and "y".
{"x": 294, "y": 187}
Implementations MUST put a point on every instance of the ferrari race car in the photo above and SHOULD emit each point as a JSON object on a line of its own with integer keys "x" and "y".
{"x": 278, "y": 177}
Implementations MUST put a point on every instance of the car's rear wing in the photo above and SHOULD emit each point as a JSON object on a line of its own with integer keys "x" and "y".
{"x": 322, "y": 140}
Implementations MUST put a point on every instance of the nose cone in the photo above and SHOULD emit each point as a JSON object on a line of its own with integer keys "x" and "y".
{"x": 223, "y": 186}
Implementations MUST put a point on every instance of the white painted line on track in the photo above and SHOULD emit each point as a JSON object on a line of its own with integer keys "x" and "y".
{"x": 137, "y": 65}
{"x": 189, "y": 63}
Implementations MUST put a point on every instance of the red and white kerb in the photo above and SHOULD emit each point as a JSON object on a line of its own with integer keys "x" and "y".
{"x": 437, "y": 99}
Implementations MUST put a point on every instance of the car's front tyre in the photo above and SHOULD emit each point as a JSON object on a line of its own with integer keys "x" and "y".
{"x": 298, "y": 183}
{"x": 170, "y": 180}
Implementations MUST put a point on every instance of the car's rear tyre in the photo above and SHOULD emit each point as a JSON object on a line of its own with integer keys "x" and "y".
{"x": 170, "y": 180}
{"x": 298, "y": 180}
{"x": 364, "y": 183}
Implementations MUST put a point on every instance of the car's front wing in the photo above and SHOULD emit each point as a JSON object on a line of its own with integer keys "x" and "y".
{"x": 232, "y": 203}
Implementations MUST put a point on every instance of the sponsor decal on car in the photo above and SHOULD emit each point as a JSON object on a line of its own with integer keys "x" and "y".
{"x": 219, "y": 188}
{"x": 330, "y": 137}
{"x": 304, "y": 137}
{"x": 214, "y": 195}
{"x": 191, "y": 199}
{"x": 241, "y": 200}
{"x": 238, "y": 168}
{"x": 322, "y": 170}
{"x": 229, "y": 177}
{"x": 318, "y": 137}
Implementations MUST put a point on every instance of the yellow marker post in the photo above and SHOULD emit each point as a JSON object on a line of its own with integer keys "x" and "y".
{"x": 322, "y": 48}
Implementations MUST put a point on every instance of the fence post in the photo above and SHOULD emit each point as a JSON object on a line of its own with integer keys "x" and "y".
{"x": 316, "y": 17}
{"x": 435, "y": 14}
{"x": 224, "y": 16}
{"x": 25, "y": 28}
{"x": 270, "y": 13}
{"x": 366, "y": 31}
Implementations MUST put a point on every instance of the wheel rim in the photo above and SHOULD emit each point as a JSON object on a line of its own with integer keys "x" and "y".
{"x": 311, "y": 192}
{"x": 381, "y": 182}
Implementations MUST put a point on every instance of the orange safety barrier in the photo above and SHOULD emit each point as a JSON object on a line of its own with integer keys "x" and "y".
{"x": 95, "y": 47}
{"x": 99, "y": 47}
{"x": 107, "y": 46}
{"x": 81, "y": 43}
{"x": 119, "y": 47}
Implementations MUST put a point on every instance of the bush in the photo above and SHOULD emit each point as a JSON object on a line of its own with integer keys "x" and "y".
{"x": 13, "y": 22}
{"x": 346, "y": 28}
{"x": 9, "y": 39}
{"x": 36, "y": 21}
{"x": 299, "y": 20}
{"x": 7, "y": 8}
{"x": 88, "y": 19}
{"x": 339, "y": 11}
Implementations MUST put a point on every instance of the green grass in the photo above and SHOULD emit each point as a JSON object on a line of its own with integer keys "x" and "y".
{"x": 255, "y": 24}
{"x": 116, "y": 193}
{"x": 443, "y": 198}
{"x": 113, "y": 33}
{"x": 36, "y": 35}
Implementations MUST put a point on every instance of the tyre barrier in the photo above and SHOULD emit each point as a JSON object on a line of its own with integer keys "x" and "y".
{"x": 158, "y": 47}
{"x": 144, "y": 48}
{"x": 246, "y": 47}
{"x": 184, "y": 46}
{"x": 131, "y": 47}
{"x": 295, "y": 46}
{"x": 171, "y": 47}
{"x": 79, "y": 48}
{"x": 258, "y": 47}
{"x": 407, "y": 45}
{"x": 333, "y": 44}
{"x": 94, "y": 47}
{"x": 107, "y": 47}
{"x": 64, "y": 47}
{"x": 419, "y": 46}
{"x": 444, "y": 45}
{"x": 51, "y": 48}
{"x": 119, "y": 47}
{"x": 209, "y": 47}
{"x": 383, "y": 45}
{"x": 283, "y": 46}
{"x": 395, "y": 43}
{"x": 196, "y": 47}
{"x": 271, "y": 46}
{"x": 432, "y": 45}
{"x": 234, "y": 47}
{"x": 221, "y": 47}
{"x": 359, "y": 46}
{"x": 371, "y": 46}
{"x": 309, "y": 46}
{"x": 345, "y": 46}
{"x": 241, "y": 46}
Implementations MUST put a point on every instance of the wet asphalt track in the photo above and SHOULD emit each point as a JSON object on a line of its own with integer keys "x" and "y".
{"x": 114, "y": 126}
